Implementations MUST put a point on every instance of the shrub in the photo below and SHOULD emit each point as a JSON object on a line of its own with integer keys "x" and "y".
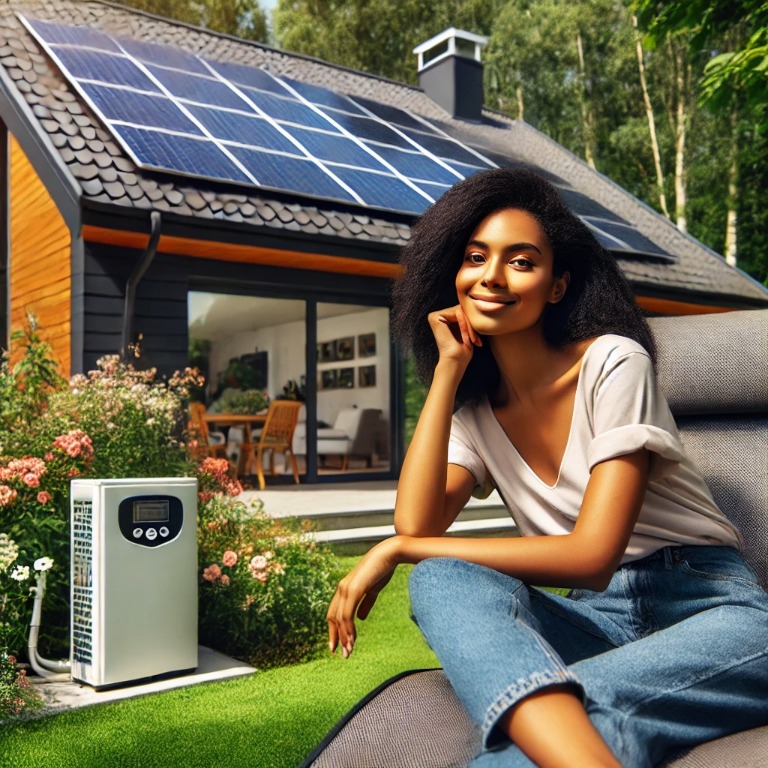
{"x": 15, "y": 694}
{"x": 114, "y": 421}
{"x": 265, "y": 584}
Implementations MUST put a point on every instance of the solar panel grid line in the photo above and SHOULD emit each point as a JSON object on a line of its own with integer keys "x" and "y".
{"x": 357, "y": 141}
{"x": 466, "y": 147}
{"x": 188, "y": 114}
{"x": 135, "y": 157}
{"x": 424, "y": 150}
{"x": 282, "y": 130}
{"x": 615, "y": 241}
{"x": 400, "y": 161}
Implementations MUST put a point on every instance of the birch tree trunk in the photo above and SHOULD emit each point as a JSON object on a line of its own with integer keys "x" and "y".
{"x": 587, "y": 118}
{"x": 651, "y": 122}
{"x": 682, "y": 80}
{"x": 731, "y": 222}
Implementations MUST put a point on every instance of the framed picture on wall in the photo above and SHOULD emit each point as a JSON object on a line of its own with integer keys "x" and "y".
{"x": 366, "y": 376}
{"x": 346, "y": 378}
{"x": 326, "y": 351}
{"x": 328, "y": 379}
{"x": 345, "y": 348}
{"x": 366, "y": 344}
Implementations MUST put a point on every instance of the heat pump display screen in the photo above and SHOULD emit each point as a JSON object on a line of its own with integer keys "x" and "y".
{"x": 156, "y": 511}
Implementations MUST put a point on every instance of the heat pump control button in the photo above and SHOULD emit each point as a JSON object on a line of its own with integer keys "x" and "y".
{"x": 137, "y": 533}
{"x": 151, "y": 534}
{"x": 164, "y": 531}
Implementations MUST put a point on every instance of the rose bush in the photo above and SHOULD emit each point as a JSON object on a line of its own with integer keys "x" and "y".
{"x": 113, "y": 421}
{"x": 265, "y": 583}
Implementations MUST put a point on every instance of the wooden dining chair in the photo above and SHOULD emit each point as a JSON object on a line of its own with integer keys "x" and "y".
{"x": 208, "y": 443}
{"x": 277, "y": 437}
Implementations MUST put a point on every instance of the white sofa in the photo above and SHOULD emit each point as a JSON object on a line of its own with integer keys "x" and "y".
{"x": 355, "y": 432}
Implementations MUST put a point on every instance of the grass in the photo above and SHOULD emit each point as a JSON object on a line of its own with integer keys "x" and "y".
{"x": 271, "y": 719}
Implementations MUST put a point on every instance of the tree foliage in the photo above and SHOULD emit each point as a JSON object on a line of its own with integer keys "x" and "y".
{"x": 243, "y": 18}
{"x": 377, "y": 37}
{"x": 733, "y": 33}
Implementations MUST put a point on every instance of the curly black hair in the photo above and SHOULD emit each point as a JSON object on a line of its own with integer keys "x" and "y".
{"x": 598, "y": 300}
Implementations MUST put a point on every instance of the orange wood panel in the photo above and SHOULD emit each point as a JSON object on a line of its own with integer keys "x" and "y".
{"x": 40, "y": 261}
{"x": 251, "y": 254}
{"x": 669, "y": 307}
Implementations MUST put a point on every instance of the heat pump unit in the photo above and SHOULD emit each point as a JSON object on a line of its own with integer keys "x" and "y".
{"x": 134, "y": 579}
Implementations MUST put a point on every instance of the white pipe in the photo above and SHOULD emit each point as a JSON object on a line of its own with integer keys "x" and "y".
{"x": 46, "y": 668}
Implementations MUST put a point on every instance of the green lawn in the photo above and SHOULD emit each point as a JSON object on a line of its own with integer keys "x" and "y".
{"x": 268, "y": 720}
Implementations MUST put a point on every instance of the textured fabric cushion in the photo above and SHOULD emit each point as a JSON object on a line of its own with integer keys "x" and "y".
{"x": 748, "y": 749}
{"x": 732, "y": 455}
{"x": 714, "y": 363}
{"x": 414, "y": 720}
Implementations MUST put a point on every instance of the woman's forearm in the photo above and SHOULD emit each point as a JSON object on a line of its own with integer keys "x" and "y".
{"x": 420, "y": 509}
{"x": 547, "y": 561}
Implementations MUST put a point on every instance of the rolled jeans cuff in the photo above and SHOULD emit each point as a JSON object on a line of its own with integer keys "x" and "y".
{"x": 519, "y": 690}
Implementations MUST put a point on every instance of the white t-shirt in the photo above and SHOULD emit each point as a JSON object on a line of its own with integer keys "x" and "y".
{"x": 619, "y": 408}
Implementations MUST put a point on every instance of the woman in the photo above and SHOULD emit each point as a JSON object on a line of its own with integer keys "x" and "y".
{"x": 518, "y": 316}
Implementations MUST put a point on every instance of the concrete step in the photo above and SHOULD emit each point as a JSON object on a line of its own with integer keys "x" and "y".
{"x": 357, "y": 541}
{"x": 345, "y": 519}
{"x": 353, "y": 517}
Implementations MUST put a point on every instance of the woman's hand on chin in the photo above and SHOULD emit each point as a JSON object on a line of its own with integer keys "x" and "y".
{"x": 357, "y": 592}
{"x": 454, "y": 336}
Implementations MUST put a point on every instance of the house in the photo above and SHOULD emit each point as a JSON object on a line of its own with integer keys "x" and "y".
{"x": 166, "y": 189}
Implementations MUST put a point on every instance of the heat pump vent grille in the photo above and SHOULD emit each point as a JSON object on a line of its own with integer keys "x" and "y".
{"x": 82, "y": 581}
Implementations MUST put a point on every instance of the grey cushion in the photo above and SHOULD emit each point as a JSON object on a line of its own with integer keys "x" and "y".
{"x": 416, "y": 721}
{"x": 411, "y": 721}
{"x": 714, "y": 363}
{"x": 732, "y": 455}
{"x": 748, "y": 749}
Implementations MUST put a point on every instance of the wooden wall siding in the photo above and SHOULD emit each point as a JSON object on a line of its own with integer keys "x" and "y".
{"x": 160, "y": 310}
{"x": 40, "y": 268}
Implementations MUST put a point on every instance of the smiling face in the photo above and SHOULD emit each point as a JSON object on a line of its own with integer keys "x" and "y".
{"x": 506, "y": 277}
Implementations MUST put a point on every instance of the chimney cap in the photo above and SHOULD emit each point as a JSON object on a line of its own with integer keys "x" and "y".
{"x": 447, "y": 39}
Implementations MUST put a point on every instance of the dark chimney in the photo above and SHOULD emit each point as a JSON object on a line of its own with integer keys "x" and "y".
{"x": 451, "y": 74}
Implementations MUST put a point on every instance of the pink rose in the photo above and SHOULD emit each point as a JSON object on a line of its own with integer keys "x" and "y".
{"x": 43, "y": 497}
{"x": 32, "y": 480}
{"x": 224, "y": 579}
{"x": 258, "y": 563}
{"x": 212, "y": 572}
{"x": 261, "y": 576}
{"x": 229, "y": 558}
{"x": 7, "y": 495}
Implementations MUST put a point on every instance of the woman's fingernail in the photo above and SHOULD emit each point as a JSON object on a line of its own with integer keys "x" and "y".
{"x": 345, "y": 653}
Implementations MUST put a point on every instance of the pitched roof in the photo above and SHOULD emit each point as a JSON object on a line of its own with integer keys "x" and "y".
{"x": 38, "y": 101}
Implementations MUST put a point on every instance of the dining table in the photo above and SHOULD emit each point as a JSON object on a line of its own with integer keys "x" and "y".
{"x": 245, "y": 421}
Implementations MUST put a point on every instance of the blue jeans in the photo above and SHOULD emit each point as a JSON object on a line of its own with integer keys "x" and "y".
{"x": 673, "y": 653}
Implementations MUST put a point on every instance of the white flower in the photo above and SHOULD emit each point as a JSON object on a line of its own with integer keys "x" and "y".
{"x": 20, "y": 573}
{"x": 43, "y": 564}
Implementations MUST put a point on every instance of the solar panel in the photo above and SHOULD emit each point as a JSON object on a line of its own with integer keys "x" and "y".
{"x": 169, "y": 107}
{"x": 177, "y": 112}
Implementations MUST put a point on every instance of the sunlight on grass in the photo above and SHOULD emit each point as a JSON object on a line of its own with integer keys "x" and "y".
{"x": 268, "y": 720}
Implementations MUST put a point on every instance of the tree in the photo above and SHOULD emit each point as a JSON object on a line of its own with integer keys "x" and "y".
{"x": 243, "y": 18}
{"x": 738, "y": 67}
{"x": 729, "y": 38}
{"x": 375, "y": 37}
